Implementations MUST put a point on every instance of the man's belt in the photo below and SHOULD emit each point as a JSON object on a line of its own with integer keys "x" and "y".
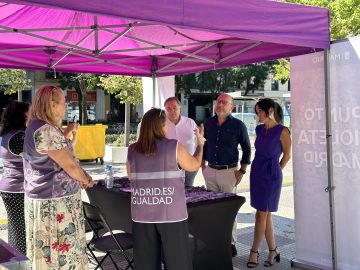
{"x": 222, "y": 167}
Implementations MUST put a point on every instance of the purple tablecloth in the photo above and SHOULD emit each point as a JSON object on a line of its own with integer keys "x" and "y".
{"x": 193, "y": 194}
{"x": 211, "y": 218}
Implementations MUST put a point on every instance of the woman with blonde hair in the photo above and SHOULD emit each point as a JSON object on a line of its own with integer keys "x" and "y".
{"x": 156, "y": 165}
{"x": 53, "y": 178}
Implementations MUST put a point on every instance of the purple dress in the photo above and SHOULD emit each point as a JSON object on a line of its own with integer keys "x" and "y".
{"x": 266, "y": 173}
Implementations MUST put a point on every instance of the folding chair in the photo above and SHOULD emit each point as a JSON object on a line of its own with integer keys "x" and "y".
{"x": 93, "y": 224}
{"x": 108, "y": 244}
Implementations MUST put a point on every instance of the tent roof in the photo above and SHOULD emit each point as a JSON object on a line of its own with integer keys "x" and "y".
{"x": 158, "y": 37}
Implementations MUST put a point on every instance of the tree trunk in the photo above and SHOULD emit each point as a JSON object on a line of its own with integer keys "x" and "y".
{"x": 78, "y": 91}
{"x": 246, "y": 87}
{"x": 83, "y": 102}
{"x": 84, "y": 108}
{"x": 127, "y": 124}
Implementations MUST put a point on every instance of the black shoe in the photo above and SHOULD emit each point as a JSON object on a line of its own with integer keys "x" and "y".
{"x": 269, "y": 263}
{"x": 233, "y": 251}
{"x": 253, "y": 264}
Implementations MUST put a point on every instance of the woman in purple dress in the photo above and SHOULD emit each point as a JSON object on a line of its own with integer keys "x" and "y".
{"x": 272, "y": 142}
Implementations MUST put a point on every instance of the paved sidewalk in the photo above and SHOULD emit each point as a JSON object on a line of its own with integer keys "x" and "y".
{"x": 283, "y": 219}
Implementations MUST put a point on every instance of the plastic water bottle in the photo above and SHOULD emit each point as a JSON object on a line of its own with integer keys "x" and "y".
{"x": 109, "y": 178}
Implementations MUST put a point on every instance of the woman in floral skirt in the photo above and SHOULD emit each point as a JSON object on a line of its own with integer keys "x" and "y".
{"x": 53, "y": 208}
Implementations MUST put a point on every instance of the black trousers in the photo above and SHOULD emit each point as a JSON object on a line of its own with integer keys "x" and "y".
{"x": 155, "y": 242}
{"x": 14, "y": 205}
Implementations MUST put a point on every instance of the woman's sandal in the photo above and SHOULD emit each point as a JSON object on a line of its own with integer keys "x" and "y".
{"x": 253, "y": 264}
{"x": 268, "y": 263}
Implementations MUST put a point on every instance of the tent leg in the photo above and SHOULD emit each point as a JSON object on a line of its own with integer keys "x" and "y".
{"x": 154, "y": 89}
{"x": 330, "y": 188}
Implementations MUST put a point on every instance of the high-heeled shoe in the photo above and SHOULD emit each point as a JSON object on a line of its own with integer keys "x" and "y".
{"x": 253, "y": 264}
{"x": 269, "y": 263}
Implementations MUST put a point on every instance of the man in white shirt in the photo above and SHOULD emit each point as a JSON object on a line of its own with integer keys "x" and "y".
{"x": 182, "y": 129}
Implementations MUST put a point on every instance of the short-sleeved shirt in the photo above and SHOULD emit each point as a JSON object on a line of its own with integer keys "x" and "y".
{"x": 44, "y": 178}
{"x": 49, "y": 138}
{"x": 184, "y": 133}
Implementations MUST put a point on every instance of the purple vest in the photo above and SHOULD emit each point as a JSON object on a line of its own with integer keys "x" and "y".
{"x": 157, "y": 185}
{"x": 44, "y": 178}
{"x": 13, "y": 176}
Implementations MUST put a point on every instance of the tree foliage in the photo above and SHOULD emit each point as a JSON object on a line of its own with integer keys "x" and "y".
{"x": 81, "y": 82}
{"x": 251, "y": 77}
{"x": 344, "y": 23}
{"x": 13, "y": 80}
{"x": 344, "y": 16}
{"x": 128, "y": 90}
{"x": 282, "y": 70}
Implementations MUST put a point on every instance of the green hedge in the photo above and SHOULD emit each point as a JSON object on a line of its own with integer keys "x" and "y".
{"x": 118, "y": 139}
{"x": 111, "y": 138}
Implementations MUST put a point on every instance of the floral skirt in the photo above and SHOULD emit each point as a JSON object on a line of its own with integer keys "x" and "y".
{"x": 55, "y": 233}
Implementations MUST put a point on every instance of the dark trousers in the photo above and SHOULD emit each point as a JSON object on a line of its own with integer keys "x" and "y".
{"x": 155, "y": 242}
{"x": 14, "y": 205}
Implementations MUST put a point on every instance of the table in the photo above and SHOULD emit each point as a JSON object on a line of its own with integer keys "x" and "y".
{"x": 210, "y": 221}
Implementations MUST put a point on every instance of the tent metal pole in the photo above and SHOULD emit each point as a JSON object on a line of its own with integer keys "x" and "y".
{"x": 70, "y": 50}
{"x": 22, "y": 60}
{"x": 107, "y": 45}
{"x": 240, "y": 51}
{"x": 330, "y": 188}
{"x": 185, "y": 57}
{"x": 154, "y": 87}
{"x": 169, "y": 48}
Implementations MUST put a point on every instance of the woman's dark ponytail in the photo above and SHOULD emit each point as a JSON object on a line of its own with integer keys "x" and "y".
{"x": 278, "y": 113}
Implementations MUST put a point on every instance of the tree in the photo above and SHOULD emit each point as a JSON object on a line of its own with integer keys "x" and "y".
{"x": 253, "y": 75}
{"x": 128, "y": 90}
{"x": 282, "y": 70}
{"x": 215, "y": 81}
{"x": 185, "y": 82}
{"x": 82, "y": 83}
{"x": 13, "y": 80}
{"x": 344, "y": 16}
{"x": 344, "y": 22}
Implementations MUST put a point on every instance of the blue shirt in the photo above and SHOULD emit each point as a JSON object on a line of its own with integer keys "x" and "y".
{"x": 221, "y": 147}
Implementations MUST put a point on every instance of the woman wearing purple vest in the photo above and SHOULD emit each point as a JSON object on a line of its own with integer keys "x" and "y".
{"x": 158, "y": 205}
{"x": 13, "y": 124}
{"x": 53, "y": 177}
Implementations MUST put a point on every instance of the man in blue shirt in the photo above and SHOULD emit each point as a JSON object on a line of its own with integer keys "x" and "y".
{"x": 223, "y": 135}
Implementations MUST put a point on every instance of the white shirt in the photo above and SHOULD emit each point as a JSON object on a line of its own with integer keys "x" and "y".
{"x": 184, "y": 133}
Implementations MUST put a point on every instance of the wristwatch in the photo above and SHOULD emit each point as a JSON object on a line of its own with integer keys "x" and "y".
{"x": 242, "y": 171}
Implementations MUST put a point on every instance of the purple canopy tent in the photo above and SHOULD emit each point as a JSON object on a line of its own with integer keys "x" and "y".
{"x": 155, "y": 38}
{"x": 160, "y": 38}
